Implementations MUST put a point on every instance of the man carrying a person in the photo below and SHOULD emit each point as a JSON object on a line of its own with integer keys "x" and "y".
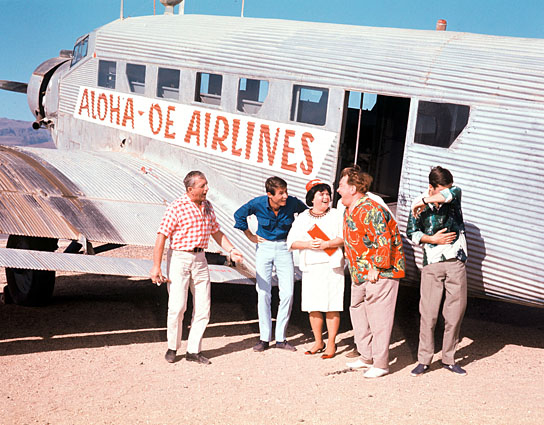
{"x": 436, "y": 222}
{"x": 188, "y": 223}
{"x": 275, "y": 212}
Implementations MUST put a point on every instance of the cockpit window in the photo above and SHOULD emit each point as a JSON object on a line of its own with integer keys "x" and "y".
{"x": 106, "y": 74}
{"x": 80, "y": 50}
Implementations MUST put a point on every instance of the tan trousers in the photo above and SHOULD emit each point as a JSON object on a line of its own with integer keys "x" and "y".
{"x": 187, "y": 270}
{"x": 372, "y": 312}
{"x": 451, "y": 276}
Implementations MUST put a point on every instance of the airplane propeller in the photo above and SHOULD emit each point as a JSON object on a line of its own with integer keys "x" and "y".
{"x": 13, "y": 86}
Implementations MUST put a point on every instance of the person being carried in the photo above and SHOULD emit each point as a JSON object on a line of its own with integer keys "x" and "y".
{"x": 317, "y": 233}
{"x": 376, "y": 262}
{"x": 436, "y": 222}
{"x": 275, "y": 213}
{"x": 188, "y": 223}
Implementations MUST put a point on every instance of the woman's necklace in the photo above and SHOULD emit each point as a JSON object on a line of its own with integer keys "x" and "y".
{"x": 319, "y": 215}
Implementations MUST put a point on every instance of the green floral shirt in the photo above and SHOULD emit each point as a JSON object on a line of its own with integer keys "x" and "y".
{"x": 448, "y": 215}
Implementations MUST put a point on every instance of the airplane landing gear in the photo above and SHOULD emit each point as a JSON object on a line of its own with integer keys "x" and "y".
{"x": 30, "y": 287}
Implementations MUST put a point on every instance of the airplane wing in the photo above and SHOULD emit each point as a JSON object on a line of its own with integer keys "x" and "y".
{"x": 108, "y": 197}
{"x": 105, "y": 197}
{"x": 38, "y": 260}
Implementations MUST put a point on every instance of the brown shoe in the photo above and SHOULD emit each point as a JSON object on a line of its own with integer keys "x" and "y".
{"x": 199, "y": 358}
{"x": 352, "y": 354}
{"x": 284, "y": 345}
{"x": 261, "y": 346}
{"x": 170, "y": 356}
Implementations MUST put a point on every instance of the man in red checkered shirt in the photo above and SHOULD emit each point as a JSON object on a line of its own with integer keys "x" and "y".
{"x": 188, "y": 223}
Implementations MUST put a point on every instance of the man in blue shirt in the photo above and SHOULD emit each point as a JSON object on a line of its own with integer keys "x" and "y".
{"x": 275, "y": 212}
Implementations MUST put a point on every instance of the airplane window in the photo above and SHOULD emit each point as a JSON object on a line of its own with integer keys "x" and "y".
{"x": 136, "y": 78}
{"x": 439, "y": 124}
{"x": 80, "y": 51}
{"x": 208, "y": 88}
{"x": 309, "y": 105}
{"x": 168, "y": 83}
{"x": 251, "y": 95}
{"x": 106, "y": 74}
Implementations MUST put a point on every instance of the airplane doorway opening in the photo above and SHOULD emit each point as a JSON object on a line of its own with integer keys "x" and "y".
{"x": 373, "y": 136}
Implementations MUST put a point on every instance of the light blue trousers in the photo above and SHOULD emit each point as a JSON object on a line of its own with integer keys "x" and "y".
{"x": 272, "y": 254}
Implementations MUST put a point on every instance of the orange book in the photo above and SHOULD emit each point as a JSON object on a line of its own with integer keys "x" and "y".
{"x": 316, "y": 233}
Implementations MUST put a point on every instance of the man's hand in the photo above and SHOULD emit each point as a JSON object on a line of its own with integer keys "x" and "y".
{"x": 442, "y": 238}
{"x": 253, "y": 237}
{"x": 236, "y": 256}
{"x": 373, "y": 275}
{"x": 156, "y": 276}
{"x": 418, "y": 207}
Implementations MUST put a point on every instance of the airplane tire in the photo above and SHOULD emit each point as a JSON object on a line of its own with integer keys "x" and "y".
{"x": 30, "y": 287}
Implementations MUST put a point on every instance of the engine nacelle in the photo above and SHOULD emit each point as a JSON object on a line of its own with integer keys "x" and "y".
{"x": 42, "y": 90}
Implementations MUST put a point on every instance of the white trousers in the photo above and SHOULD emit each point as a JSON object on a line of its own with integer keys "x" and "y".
{"x": 187, "y": 270}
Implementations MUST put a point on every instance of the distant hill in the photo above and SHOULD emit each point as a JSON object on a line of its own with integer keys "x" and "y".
{"x": 21, "y": 133}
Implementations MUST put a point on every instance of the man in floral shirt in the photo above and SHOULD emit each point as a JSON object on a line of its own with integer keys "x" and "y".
{"x": 376, "y": 262}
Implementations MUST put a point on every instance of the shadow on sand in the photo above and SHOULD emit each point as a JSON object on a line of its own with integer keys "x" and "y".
{"x": 90, "y": 311}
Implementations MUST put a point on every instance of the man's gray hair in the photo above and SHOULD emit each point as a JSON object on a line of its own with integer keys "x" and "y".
{"x": 189, "y": 180}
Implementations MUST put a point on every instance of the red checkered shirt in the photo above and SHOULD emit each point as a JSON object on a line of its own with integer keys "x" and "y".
{"x": 186, "y": 226}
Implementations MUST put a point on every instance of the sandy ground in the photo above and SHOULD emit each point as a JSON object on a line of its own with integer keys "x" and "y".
{"x": 96, "y": 356}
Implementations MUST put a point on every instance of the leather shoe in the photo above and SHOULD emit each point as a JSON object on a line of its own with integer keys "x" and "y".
{"x": 353, "y": 354}
{"x": 199, "y": 358}
{"x": 170, "y": 356}
{"x": 261, "y": 346}
{"x": 285, "y": 346}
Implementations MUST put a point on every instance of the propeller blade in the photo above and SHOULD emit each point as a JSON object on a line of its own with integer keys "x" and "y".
{"x": 13, "y": 86}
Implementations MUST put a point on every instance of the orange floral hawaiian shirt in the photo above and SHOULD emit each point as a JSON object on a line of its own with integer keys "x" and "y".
{"x": 372, "y": 241}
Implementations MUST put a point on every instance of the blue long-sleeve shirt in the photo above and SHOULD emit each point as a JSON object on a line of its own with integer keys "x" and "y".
{"x": 271, "y": 227}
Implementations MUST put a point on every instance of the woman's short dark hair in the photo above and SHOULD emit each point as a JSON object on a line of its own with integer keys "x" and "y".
{"x": 317, "y": 188}
{"x": 440, "y": 177}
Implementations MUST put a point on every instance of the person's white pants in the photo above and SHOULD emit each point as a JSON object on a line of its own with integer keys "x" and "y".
{"x": 187, "y": 270}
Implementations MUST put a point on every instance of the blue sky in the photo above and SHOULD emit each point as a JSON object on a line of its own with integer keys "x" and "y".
{"x": 32, "y": 31}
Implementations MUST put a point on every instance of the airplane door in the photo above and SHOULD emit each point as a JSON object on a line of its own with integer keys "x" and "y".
{"x": 373, "y": 136}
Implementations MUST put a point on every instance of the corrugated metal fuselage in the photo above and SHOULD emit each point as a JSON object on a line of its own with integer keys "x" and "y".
{"x": 497, "y": 160}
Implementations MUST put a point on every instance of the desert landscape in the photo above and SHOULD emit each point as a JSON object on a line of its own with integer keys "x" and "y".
{"x": 95, "y": 355}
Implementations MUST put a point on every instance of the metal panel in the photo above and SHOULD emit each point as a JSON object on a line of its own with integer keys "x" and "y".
{"x": 85, "y": 74}
{"x": 498, "y": 164}
{"x": 497, "y": 160}
{"x": 105, "y": 197}
{"x": 37, "y": 260}
{"x": 502, "y": 70}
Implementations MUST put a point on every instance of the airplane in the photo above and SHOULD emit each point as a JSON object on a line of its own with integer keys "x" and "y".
{"x": 141, "y": 101}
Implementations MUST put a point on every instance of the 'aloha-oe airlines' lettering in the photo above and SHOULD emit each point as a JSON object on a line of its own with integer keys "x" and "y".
{"x": 276, "y": 146}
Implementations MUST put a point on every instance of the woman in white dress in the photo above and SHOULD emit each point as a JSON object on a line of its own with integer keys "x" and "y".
{"x": 317, "y": 233}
